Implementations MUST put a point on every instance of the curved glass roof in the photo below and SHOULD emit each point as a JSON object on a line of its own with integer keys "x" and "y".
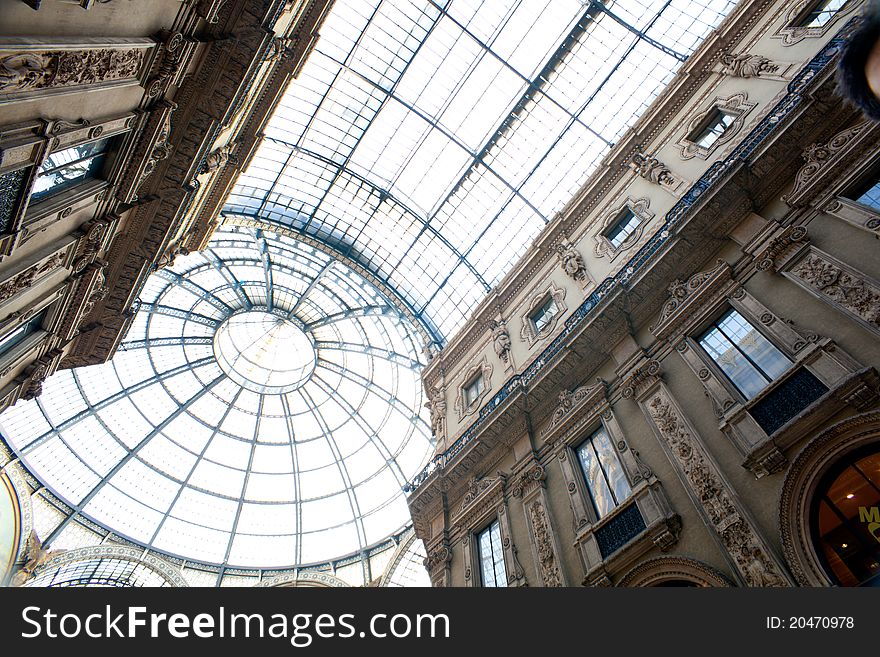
{"x": 432, "y": 140}
{"x": 264, "y": 411}
{"x": 104, "y": 573}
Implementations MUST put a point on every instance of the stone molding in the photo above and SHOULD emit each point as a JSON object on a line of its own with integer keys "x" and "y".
{"x": 658, "y": 570}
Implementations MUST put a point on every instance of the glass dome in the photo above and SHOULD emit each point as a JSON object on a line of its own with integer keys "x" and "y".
{"x": 264, "y": 411}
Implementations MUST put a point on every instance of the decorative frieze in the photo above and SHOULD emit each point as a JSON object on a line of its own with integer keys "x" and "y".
{"x": 26, "y": 279}
{"x": 34, "y": 70}
{"x": 782, "y": 248}
{"x": 840, "y": 285}
{"x": 820, "y": 160}
{"x": 748, "y": 552}
{"x": 690, "y": 297}
{"x": 641, "y": 379}
{"x": 569, "y": 401}
{"x": 152, "y": 147}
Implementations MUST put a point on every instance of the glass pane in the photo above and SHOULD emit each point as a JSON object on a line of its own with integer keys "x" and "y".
{"x": 473, "y": 390}
{"x": 69, "y": 167}
{"x": 611, "y": 465}
{"x": 544, "y": 314}
{"x": 492, "y": 556}
{"x": 871, "y": 197}
{"x": 603, "y": 500}
{"x": 822, "y": 13}
{"x": 624, "y": 227}
{"x": 848, "y": 522}
{"x": 719, "y": 122}
{"x": 738, "y": 369}
{"x": 21, "y": 333}
{"x": 760, "y": 350}
{"x": 437, "y": 139}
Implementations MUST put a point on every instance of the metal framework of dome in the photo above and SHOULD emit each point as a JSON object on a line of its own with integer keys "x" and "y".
{"x": 265, "y": 409}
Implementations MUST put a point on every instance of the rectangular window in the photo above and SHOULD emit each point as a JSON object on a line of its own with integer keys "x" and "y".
{"x": 492, "y": 556}
{"x": 869, "y": 196}
{"x": 712, "y": 129}
{"x": 821, "y": 13}
{"x": 745, "y": 356}
{"x": 545, "y": 313}
{"x": 603, "y": 473}
{"x": 21, "y": 332}
{"x": 70, "y": 167}
{"x": 473, "y": 389}
{"x": 622, "y": 228}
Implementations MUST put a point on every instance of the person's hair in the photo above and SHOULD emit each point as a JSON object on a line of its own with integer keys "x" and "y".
{"x": 852, "y": 83}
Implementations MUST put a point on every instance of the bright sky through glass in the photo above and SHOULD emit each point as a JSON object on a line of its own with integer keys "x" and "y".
{"x": 297, "y": 456}
{"x": 431, "y": 141}
{"x": 265, "y": 409}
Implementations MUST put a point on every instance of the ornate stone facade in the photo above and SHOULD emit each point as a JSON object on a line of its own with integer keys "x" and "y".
{"x": 629, "y": 451}
{"x": 749, "y": 553}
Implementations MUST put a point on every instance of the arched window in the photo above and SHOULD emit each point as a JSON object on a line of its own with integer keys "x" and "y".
{"x": 845, "y": 518}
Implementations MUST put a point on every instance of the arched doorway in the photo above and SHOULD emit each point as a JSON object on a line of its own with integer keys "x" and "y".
{"x": 830, "y": 506}
{"x": 845, "y": 519}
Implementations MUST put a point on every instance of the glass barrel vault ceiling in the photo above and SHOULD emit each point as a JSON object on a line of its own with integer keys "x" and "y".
{"x": 431, "y": 141}
{"x": 263, "y": 411}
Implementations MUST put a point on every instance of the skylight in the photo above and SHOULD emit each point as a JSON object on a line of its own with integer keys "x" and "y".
{"x": 264, "y": 411}
{"x": 431, "y": 141}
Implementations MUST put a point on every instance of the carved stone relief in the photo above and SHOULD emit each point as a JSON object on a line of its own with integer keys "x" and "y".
{"x": 500, "y": 339}
{"x": 655, "y": 171}
{"x": 52, "y": 69}
{"x": 748, "y": 552}
{"x": 840, "y": 285}
{"x": 686, "y": 297}
{"x": 821, "y": 157}
{"x": 748, "y": 65}
{"x": 546, "y": 554}
{"x": 436, "y": 406}
{"x": 26, "y": 278}
{"x": 572, "y": 263}
{"x": 781, "y": 248}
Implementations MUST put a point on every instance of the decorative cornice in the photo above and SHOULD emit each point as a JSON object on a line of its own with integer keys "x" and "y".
{"x": 781, "y": 248}
{"x": 641, "y": 380}
{"x": 570, "y": 403}
{"x": 686, "y": 298}
{"x": 822, "y": 160}
{"x": 529, "y": 480}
